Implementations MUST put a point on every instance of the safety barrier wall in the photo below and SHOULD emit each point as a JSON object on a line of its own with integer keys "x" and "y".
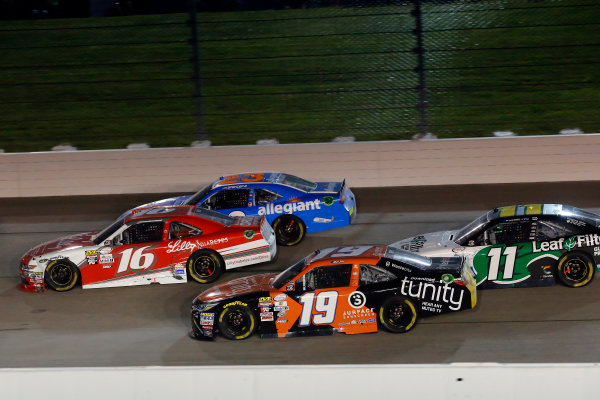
{"x": 450, "y": 381}
{"x": 363, "y": 164}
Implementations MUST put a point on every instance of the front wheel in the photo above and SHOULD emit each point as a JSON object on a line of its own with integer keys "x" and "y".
{"x": 575, "y": 269}
{"x": 61, "y": 275}
{"x": 205, "y": 266}
{"x": 398, "y": 315}
{"x": 289, "y": 230}
{"x": 237, "y": 322}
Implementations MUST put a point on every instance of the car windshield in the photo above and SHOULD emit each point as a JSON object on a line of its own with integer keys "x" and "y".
{"x": 298, "y": 183}
{"x": 590, "y": 218}
{"x": 195, "y": 198}
{"x": 214, "y": 216}
{"x": 288, "y": 274}
{"x": 461, "y": 235}
{"x": 109, "y": 230}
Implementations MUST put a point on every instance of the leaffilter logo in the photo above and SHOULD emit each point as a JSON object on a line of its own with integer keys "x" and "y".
{"x": 570, "y": 243}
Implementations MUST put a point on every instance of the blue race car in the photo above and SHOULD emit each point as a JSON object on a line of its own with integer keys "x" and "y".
{"x": 292, "y": 205}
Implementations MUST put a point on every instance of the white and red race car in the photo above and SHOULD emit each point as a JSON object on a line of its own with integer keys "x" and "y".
{"x": 150, "y": 245}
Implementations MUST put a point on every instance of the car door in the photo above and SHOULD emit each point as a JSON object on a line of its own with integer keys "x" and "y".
{"x": 509, "y": 259}
{"x": 320, "y": 302}
{"x": 138, "y": 252}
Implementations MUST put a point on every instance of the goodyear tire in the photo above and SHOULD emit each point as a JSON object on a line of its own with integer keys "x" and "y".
{"x": 205, "y": 266}
{"x": 575, "y": 269}
{"x": 237, "y": 322}
{"x": 289, "y": 230}
{"x": 61, "y": 275}
{"x": 398, "y": 314}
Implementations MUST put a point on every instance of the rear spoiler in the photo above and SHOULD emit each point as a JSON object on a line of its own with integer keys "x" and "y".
{"x": 343, "y": 186}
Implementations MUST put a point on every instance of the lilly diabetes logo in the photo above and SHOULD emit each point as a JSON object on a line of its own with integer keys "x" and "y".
{"x": 289, "y": 208}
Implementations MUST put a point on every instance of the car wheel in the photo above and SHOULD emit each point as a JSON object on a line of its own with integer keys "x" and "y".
{"x": 61, "y": 275}
{"x": 398, "y": 314}
{"x": 237, "y": 322}
{"x": 575, "y": 269}
{"x": 289, "y": 230}
{"x": 205, "y": 266}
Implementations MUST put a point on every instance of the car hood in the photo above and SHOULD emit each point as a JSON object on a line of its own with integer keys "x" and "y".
{"x": 237, "y": 287}
{"x": 65, "y": 242}
{"x": 427, "y": 241}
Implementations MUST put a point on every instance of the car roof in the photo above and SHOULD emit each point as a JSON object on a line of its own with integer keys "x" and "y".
{"x": 370, "y": 252}
{"x": 543, "y": 209}
{"x": 237, "y": 179}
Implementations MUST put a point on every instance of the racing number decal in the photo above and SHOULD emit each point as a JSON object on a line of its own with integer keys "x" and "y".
{"x": 325, "y": 304}
{"x": 242, "y": 178}
{"x": 135, "y": 260}
{"x": 509, "y": 264}
{"x": 350, "y": 251}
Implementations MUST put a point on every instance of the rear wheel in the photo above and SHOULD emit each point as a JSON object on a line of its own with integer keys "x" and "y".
{"x": 61, "y": 275}
{"x": 398, "y": 314}
{"x": 575, "y": 269}
{"x": 237, "y": 322}
{"x": 205, "y": 266}
{"x": 289, "y": 230}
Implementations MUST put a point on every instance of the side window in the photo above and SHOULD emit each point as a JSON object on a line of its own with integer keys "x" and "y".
{"x": 144, "y": 232}
{"x": 264, "y": 196}
{"x": 506, "y": 232}
{"x": 329, "y": 276}
{"x": 234, "y": 198}
{"x": 179, "y": 230}
{"x": 552, "y": 228}
{"x": 372, "y": 274}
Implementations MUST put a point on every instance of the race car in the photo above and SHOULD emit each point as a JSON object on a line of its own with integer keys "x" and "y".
{"x": 150, "y": 245}
{"x": 355, "y": 289}
{"x": 522, "y": 245}
{"x": 292, "y": 205}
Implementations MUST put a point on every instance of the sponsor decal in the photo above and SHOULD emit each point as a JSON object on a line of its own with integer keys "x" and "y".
{"x": 264, "y": 299}
{"x": 265, "y": 304}
{"x": 282, "y": 321}
{"x": 106, "y": 266}
{"x": 280, "y": 303}
{"x": 207, "y": 319}
{"x": 575, "y": 222}
{"x": 458, "y": 249}
{"x": 432, "y": 292}
{"x": 106, "y": 258}
{"x": 447, "y": 278}
{"x": 597, "y": 251}
{"x": 267, "y": 318}
{"x": 371, "y": 320}
{"x": 91, "y": 260}
{"x": 281, "y": 308}
{"x": 320, "y": 220}
{"x": 235, "y": 303}
{"x": 266, "y": 314}
{"x": 249, "y": 234}
{"x": 357, "y": 299}
{"x": 265, "y": 309}
{"x": 432, "y": 307}
{"x": 91, "y": 252}
{"x": 282, "y": 314}
{"x": 567, "y": 244}
{"x": 328, "y": 200}
{"x": 188, "y": 245}
{"x": 289, "y": 208}
{"x": 344, "y": 323}
{"x": 359, "y": 313}
{"x": 280, "y": 297}
{"x": 105, "y": 250}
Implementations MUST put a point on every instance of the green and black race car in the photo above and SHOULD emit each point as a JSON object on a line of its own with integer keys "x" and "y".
{"x": 522, "y": 245}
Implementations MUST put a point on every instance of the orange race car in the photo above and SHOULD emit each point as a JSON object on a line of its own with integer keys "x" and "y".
{"x": 352, "y": 289}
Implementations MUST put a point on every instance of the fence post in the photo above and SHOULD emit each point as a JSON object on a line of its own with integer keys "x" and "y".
{"x": 193, "y": 22}
{"x": 423, "y": 124}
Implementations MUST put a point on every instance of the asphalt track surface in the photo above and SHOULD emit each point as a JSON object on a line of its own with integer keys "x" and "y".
{"x": 147, "y": 325}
